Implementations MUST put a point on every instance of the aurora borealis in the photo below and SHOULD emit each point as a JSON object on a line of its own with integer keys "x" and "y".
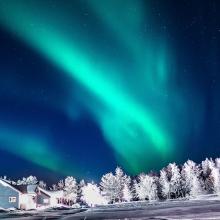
{"x": 89, "y": 84}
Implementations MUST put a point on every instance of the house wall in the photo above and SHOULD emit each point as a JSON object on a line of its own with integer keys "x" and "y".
{"x": 55, "y": 196}
{"x": 6, "y": 192}
{"x": 43, "y": 199}
{"x": 28, "y": 201}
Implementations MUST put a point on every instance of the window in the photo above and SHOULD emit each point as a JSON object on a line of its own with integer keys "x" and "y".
{"x": 12, "y": 199}
{"x": 46, "y": 200}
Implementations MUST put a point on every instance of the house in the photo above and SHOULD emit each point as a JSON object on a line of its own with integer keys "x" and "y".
{"x": 17, "y": 196}
{"x": 27, "y": 197}
{"x": 9, "y": 195}
{"x": 57, "y": 197}
{"x": 43, "y": 197}
{"x": 48, "y": 198}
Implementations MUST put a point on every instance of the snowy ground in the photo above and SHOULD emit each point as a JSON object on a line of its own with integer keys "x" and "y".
{"x": 202, "y": 208}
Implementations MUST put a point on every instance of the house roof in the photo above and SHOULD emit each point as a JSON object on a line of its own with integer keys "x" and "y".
{"x": 44, "y": 191}
{"x": 57, "y": 193}
{"x": 19, "y": 188}
{"x": 26, "y": 188}
{"x": 31, "y": 189}
{"x": 7, "y": 183}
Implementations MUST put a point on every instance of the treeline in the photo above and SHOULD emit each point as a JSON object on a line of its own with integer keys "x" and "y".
{"x": 172, "y": 182}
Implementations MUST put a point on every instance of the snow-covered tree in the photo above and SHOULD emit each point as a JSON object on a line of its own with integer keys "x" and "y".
{"x": 31, "y": 180}
{"x": 191, "y": 185}
{"x": 215, "y": 179}
{"x": 207, "y": 167}
{"x": 173, "y": 182}
{"x": 79, "y": 191}
{"x": 42, "y": 184}
{"x": 217, "y": 163}
{"x": 146, "y": 187}
{"x": 21, "y": 182}
{"x": 54, "y": 187}
{"x": 164, "y": 184}
{"x": 70, "y": 188}
{"x": 126, "y": 192}
{"x": 215, "y": 173}
{"x": 91, "y": 195}
{"x": 60, "y": 185}
{"x": 174, "y": 178}
{"x": 109, "y": 187}
{"x": 207, "y": 164}
{"x": 82, "y": 183}
{"x": 122, "y": 180}
{"x": 112, "y": 185}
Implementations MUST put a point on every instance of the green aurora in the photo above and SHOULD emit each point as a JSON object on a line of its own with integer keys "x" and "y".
{"x": 33, "y": 149}
{"x": 132, "y": 106}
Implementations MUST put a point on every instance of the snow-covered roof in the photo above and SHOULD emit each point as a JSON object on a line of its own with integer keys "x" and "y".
{"x": 30, "y": 189}
{"x": 44, "y": 191}
{"x": 7, "y": 183}
{"x": 58, "y": 193}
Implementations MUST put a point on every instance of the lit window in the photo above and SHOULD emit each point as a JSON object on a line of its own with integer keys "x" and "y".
{"x": 12, "y": 199}
{"x": 46, "y": 201}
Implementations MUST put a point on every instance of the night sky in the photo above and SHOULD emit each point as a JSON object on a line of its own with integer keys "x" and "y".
{"x": 87, "y": 85}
